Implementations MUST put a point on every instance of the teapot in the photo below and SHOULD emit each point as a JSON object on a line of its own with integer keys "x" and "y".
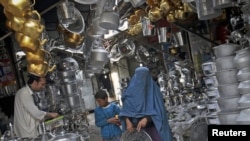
{"x": 16, "y": 23}
{"x": 29, "y": 44}
{"x": 38, "y": 56}
{"x": 18, "y": 8}
{"x": 154, "y": 14}
{"x": 33, "y": 28}
{"x": 166, "y": 6}
{"x": 40, "y": 69}
{"x": 170, "y": 17}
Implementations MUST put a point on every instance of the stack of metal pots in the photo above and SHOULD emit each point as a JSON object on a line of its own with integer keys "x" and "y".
{"x": 226, "y": 74}
{"x": 242, "y": 63}
{"x": 69, "y": 85}
{"x": 211, "y": 84}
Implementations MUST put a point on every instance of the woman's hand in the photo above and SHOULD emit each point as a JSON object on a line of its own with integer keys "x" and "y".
{"x": 142, "y": 123}
{"x": 129, "y": 125}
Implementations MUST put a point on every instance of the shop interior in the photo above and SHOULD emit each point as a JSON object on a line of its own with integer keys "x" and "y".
{"x": 196, "y": 51}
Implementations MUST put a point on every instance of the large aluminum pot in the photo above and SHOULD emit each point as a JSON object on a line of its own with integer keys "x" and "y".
{"x": 218, "y": 4}
{"x": 243, "y": 118}
{"x": 109, "y": 20}
{"x": 205, "y": 10}
{"x": 227, "y": 118}
{"x": 244, "y": 87}
{"x": 227, "y": 76}
{"x": 228, "y": 90}
{"x": 229, "y": 104}
{"x": 243, "y": 74}
{"x": 225, "y": 63}
{"x": 67, "y": 137}
{"x": 226, "y": 49}
{"x": 242, "y": 58}
{"x": 69, "y": 88}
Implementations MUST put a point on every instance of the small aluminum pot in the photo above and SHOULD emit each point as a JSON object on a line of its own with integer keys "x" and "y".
{"x": 227, "y": 76}
{"x": 109, "y": 20}
{"x": 227, "y": 118}
{"x": 229, "y": 104}
{"x": 225, "y": 63}
{"x": 228, "y": 90}
{"x": 243, "y": 74}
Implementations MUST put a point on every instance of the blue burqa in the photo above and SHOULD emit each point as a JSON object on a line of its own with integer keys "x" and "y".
{"x": 143, "y": 98}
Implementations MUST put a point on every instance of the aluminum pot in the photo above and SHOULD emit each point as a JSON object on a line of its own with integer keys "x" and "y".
{"x": 227, "y": 76}
{"x": 242, "y": 58}
{"x": 66, "y": 137}
{"x": 205, "y": 10}
{"x": 243, "y": 118}
{"x": 225, "y": 63}
{"x": 69, "y": 88}
{"x": 244, "y": 87}
{"x": 75, "y": 101}
{"x": 243, "y": 74}
{"x": 109, "y": 20}
{"x": 244, "y": 101}
{"x": 227, "y": 118}
{"x": 226, "y": 49}
{"x": 229, "y": 104}
{"x": 219, "y": 4}
{"x": 228, "y": 90}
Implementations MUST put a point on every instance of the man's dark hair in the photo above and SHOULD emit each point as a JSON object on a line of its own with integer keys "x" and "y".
{"x": 33, "y": 78}
{"x": 101, "y": 94}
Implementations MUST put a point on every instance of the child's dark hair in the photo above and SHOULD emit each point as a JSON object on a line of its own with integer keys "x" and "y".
{"x": 101, "y": 94}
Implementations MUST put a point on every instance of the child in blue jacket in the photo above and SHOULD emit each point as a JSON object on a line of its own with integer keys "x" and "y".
{"x": 106, "y": 117}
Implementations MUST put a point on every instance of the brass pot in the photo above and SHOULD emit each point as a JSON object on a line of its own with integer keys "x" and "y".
{"x": 38, "y": 56}
{"x": 18, "y": 8}
{"x": 39, "y": 69}
{"x": 171, "y": 17}
{"x": 33, "y": 28}
{"x": 29, "y": 44}
{"x": 180, "y": 14}
{"x": 16, "y": 23}
{"x": 154, "y": 14}
{"x": 166, "y": 6}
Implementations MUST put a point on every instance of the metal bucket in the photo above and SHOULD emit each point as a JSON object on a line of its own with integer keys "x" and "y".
{"x": 225, "y": 63}
{"x": 228, "y": 90}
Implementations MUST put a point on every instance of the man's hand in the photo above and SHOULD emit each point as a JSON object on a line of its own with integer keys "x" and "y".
{"x": 52, "y": 115}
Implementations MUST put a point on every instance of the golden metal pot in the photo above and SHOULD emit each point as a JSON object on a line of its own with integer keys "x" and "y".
{"x": 29, "y": 44}
{"x": 166, "y": 6}
{"x": 180, "y": 14}
{"x": 16, "y": 23}
{"x": 39, "y": 69}
{"x": 19, "y": 7}
{"x": 38, "y": 56}
{"x": 154, "y": 14}
{"x": 33, "y": 28}
{"x": 170, "y": 17}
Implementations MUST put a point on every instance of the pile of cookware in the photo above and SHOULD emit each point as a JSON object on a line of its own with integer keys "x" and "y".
{"x": 242, "y": 63}
{"x": 26, "y": 23}
{"x": 226, "y": 74}
{"x": 71, "y": 24}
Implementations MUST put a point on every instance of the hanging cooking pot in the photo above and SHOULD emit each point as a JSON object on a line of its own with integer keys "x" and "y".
{"x": 38, "y": 56}
{"x": 109, "y": 20}
{"x": 205, "y": 10}
{"x": 148, "y": 28}
{"x": 226, "y": 49}
{"x": 242, "y": 58}
{"x": 219, "y": 4}
{"x": 19, "y": 8}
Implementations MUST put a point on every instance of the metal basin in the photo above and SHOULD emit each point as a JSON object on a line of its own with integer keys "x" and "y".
{"x": 67, "y": 137}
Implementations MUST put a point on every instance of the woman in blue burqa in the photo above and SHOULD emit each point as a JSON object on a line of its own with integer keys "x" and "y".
{"x": 143, "y": 107}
